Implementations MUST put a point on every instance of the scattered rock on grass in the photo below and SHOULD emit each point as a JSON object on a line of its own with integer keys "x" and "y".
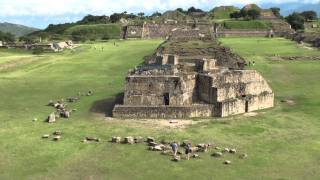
{"x": 243, "y": 156}
{"x": 129, "y": 140}
{"x": 177, "y": 158}
{"x": 226, "y": 150}
{"x": 138, "y": 139}
{"x": 217, "y": 154}
{"x": 57, "y": 133}
{"x": 88, "y": 138}
{"x": 116, "y": 139}
{"x": 150, "y": 139}
{"x": 232, "y": 151}
{"x": 45, "y": 136}
{"x": 195, "y": 156}
{"x": 56, "y": 138}
{"x": 51, "y": 118}
{"x": 227, "y": 162}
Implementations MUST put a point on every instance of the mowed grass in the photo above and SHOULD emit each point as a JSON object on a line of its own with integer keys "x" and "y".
{"x": 281, "y": 143}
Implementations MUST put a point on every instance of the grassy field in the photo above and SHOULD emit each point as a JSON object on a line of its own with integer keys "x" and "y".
{"x": 281, "y": 143}
{"x": 97, "y": 31}
{"x": 254, "y": 24}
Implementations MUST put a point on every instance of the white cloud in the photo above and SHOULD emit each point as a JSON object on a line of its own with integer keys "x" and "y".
{"x": 60, "y": 7}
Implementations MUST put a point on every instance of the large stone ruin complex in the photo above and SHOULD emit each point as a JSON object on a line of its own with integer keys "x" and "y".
{"x": 193, "y": 78}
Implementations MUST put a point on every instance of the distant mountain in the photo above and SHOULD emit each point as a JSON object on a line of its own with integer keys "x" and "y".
{"x": 288, "y": 8}
{"x": 16, "y": 29}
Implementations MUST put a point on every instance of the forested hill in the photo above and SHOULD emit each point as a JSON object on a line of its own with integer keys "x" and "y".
{"x": 16, "y": 29}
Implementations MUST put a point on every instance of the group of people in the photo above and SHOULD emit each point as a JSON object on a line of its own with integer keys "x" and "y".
{"x": 188, "y": 149}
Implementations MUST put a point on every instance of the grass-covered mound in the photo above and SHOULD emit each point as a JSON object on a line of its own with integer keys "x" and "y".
{"x": 223, "y": 12}
{"x": 94, "y": 32}
{"x": 253, "y": 24}
{"x": 281, "y": 143}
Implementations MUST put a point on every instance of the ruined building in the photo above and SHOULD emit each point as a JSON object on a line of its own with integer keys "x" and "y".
{"x": 193, "y": 78}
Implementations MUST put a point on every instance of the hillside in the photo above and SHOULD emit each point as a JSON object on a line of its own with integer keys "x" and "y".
{"x": 16, "y": 29}
{"x": 98, "y": 31}
{"x": 223, "y": 12}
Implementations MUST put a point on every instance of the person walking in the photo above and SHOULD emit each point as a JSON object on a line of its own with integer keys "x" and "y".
{"x": 188, "y": 150}
{"x": 174, "y": 147}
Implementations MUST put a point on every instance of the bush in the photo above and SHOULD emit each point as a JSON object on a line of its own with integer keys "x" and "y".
{"x": 296, "y": 21}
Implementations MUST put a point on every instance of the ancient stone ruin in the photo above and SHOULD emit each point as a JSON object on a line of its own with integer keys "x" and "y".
{"x": 193, "y": 78}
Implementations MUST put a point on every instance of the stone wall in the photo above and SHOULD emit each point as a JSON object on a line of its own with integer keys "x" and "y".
{"x": 133, "y": 32}
{"x": 152, "y": 90}
{"x": 242, "y": 33}
{"x": 123, "y": 111}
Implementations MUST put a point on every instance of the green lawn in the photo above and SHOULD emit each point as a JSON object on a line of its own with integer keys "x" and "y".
{"x": 281, "y": 143}
{"x": 253, "y": 24}
{"x": 96, "y": 31}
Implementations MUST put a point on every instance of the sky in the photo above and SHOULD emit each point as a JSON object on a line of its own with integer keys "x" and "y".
{"x": 40, "y": 13}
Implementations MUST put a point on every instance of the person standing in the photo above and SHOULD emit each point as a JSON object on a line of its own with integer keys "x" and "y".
{"x": 188, "y": 150}
{"x": 174, "y": 147}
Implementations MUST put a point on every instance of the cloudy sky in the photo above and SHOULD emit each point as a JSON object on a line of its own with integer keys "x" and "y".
{"x": 40, "y": 13}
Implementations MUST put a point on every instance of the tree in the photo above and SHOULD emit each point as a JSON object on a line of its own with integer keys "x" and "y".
{"x": 276, "y": 11}
{"x": 181, "y": 11}
{"x": 155, "y": 14}
{"x": 193, "y": 9}
{"x": 7, "y": 37}
{"x": 309, "y": 15}
{"x": 27, "y": 39}
{"x": 296, "y": 21}
{"x": 254, "y": 13}
{"x": 236, "y": 15}
{"x": 141, "y": 14}
{"x": 115, "y": 17}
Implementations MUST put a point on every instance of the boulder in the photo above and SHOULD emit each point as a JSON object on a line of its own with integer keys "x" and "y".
{"x": 138, "y": 139}
{"x": 45, "y": 136}
{"x": 152, "y": 144}
{"x": 243, "y": 156}
{"x": 116, "y": 139}
{"x": 226, "y": 150}
{"x": 158, "y": 147}
{"x": 195, "y": 156}
{"x": 90, "y": 93}
{"x": 227, "y": 162}
{"x": 56, "y": 138}
{"x": 92, "y": 139}
{"x": 129, "y": 140}
{"x": 72, "y": 99}
{"x": 51, "y": 103}
{"x": 194, "y": 149}
{"x": 150, "y": 139}
{"x": 177, "y": 158}
{"x": 232, "y": 151}
{"x": 57, "y": 133}
{"x": 65, "y": 114}
{"x": 217, "y": 154}
{"x": 51, "y": 118}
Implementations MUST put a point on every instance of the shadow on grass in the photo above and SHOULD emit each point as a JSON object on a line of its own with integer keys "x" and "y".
{"x": 106, "y": 106}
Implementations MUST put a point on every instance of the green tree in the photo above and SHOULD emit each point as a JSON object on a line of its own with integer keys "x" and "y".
{"x": 296, "y": 21}
{"x": 254, "y": 13}
{"x": 276, "y": 11}
{"x": 309, "y": 15}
